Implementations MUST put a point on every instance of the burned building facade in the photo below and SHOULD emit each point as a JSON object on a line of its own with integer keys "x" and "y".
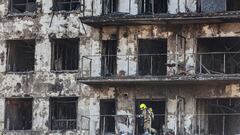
{"x": 84, "y": 66}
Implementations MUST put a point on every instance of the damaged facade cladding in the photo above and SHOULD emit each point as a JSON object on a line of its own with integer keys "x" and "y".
{"x": 49, "y": 89}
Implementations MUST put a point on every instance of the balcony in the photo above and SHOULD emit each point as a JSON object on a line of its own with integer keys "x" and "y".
{"x": 152, "y": 12}
{"x": 156, "y": 68}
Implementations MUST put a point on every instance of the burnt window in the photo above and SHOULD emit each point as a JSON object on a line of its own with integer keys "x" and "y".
{"x": 233, "y": 5}
{"x": 21, "y": 55}
{"x": 209, "y": 6}
{"x": 107, "y": 120}
{"x": 18, "y": 114}
{"x": 22, "y": 6}
{"x": 218, "y": 116}
{"x": 109, "y": 58}
{"x": 68, "y": 5}
{"x": 63, "y": 113}
{"x": 158, "y": 109}
{"x": 109, "y": 6}
{"x": 65, "y": 54}
{"x": 152, "y": 58}
{"x": 153, "y": 6}
{"x": 218, "y": 55}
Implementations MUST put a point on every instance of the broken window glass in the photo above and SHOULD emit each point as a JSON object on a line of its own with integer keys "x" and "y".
{"x": 153, "y": 6}
{"x": 21, "y": 55}
{"x": 22, "y": 6}
{"x": 63, "y": 113}
{"x": 68, "y": 5}
{"x": 65, "y": 54}
{"x": 18, "y": 114}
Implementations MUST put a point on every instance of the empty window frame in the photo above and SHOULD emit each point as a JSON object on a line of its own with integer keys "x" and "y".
{"x": 153, "y": 6}
{"x": 159, "y": 108}
{"x": 107, "y": 119}
{"x": 22, "y": 6}
{"x": 65, "y": 54}
{"x": 18, "y": 114}
{"x": 69, "y": 5}
{"x": 21, "y": 55}
{"x": 218, "y": 55}
{"x": 109, "y": 58}
{"x": 109, "y": 6}
{"x": 63, "y": 113}
{"x": 218, "y": 116}
{"x": 152, "y": 57}
{"x": 209, "y": 6}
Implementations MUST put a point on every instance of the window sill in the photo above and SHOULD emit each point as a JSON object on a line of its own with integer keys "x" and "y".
{"x": 29, "y": 14}
{"x": 64, "y": 71}
{"x": 67, "y": 12}
{"x": 24, "y": 73}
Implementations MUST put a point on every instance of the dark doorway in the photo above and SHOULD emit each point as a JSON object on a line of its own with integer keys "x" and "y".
{"x": 107, "y": 119}
{"x": 158, "y": 107}
{"x": 109, "y": 58}
{"x": 152, "y": 57}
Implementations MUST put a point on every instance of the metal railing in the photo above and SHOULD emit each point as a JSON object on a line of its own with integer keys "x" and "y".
{"x": 218, "y": 63}
{"x": 160, "y": 64}
{"x": 200, "y": 124}
{"x": 124, "y": 65}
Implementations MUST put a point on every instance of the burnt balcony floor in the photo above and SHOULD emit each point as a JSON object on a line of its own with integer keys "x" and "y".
{"x": 176, "y": 79}
{"x": 181, "y": 18}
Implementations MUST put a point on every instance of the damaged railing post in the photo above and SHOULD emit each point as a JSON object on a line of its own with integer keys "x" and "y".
{"x": 82, "y": 67}
{"x": 224, "y": 63}
{"x": 128, "y": 65}
{"x": 90, "y": 65}
{"x": 200, "y": 65}
{"x": 151, "y": 72}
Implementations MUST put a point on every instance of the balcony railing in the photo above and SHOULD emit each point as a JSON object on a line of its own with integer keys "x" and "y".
{"x": 160, "y": 64}
{"x": 202, "y": 124}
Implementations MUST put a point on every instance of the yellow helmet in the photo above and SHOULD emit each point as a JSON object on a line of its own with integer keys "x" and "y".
{"x": 143, "y": 106}
{"x": 150, "y": 109}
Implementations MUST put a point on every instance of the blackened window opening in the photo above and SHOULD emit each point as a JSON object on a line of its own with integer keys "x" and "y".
{"x": 233, "y": 5}
{"x": 107, "y": 118}
{"x": 69, "y": 5}
{"x": 152, "y": 58}
{"x": 158, "y": 107}
{"x": 218, "y": 116}
{"x": 63, "y": 113}
{"x": 209, "y": 6}
{"x": 18, "y": 114}
{"x": 109, "y": 58}
{"x": 22, "y": 6}
{"x": 21, "y": 55}
{"x": 65, "y": 54}
{"x": 218, "y": 55}
{"x": 109, "y": 6}
{"x": 153, "y": 6}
